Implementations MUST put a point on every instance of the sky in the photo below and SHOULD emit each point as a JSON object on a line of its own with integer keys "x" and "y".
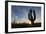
{"x": 20, "y": 13}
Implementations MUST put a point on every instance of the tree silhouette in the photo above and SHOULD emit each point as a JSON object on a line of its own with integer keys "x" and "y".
{"x": 30, "y": 17}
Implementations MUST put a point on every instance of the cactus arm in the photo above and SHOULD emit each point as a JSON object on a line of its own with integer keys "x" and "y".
{"x": 34, "y": 14}
{"x": 30, "y": 17}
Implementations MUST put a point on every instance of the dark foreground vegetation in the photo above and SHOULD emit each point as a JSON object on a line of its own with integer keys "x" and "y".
{"x": 24, "y": 25}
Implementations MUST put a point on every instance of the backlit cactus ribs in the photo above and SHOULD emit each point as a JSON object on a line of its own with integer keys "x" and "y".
{"x": 32, "y": 16}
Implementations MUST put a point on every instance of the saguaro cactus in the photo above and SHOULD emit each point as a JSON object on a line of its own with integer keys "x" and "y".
{"x": 32, "y": 16}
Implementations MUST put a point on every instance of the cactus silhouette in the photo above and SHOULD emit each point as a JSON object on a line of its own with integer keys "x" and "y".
{"x": 32, "y": 16}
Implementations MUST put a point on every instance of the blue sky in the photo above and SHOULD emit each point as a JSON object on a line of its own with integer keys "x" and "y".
{"x": 20, "y": 13}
